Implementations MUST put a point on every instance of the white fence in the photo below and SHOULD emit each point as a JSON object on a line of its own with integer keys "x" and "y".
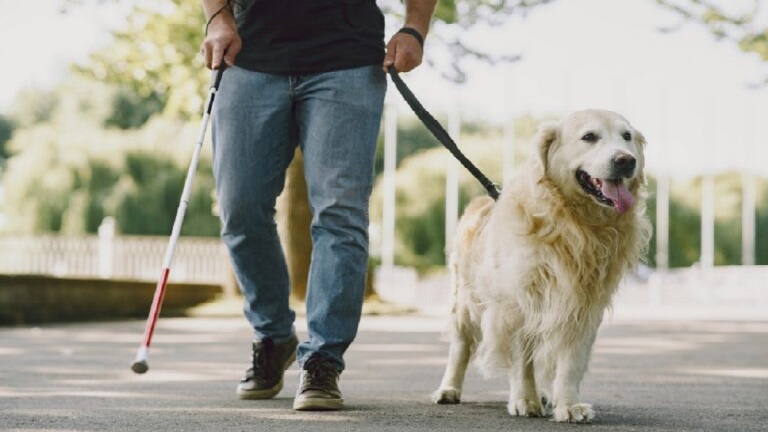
{"x": 732, "y": 292}
{"x": 197, "y": 260}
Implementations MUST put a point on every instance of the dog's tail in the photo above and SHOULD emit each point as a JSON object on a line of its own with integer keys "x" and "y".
{"x": 474, "y": 218}
{"x": 470, "y": 225}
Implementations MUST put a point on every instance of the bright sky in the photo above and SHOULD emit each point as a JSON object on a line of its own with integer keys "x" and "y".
{"x": 39, "y": 42}
{"x": 685, "y": 91}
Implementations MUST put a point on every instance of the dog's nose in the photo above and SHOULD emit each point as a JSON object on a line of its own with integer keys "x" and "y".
{"x": 624, "y": 165}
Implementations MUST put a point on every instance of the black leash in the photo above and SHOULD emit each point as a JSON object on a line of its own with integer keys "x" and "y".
{"x": 439, "y": 132}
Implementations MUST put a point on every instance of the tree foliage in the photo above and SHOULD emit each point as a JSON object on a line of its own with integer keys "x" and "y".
{"x": 420, "y": 188}
{"x": 118, "y": 141}
{"x": 155, "y": 57}
{"x": 741, "y": 26}
{"x": 450, "y": 31}
{"x": 420, "y": 206}
{"x": 7, "y": 126}
{"x": 69, "y": 170}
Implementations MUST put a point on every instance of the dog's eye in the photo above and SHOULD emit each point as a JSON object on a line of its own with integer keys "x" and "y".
{"x": 590, "y": 137}
{"x": 627, "y": 136}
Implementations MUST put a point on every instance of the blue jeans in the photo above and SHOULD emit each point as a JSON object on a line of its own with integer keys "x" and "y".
{"x": 258, "y": 121}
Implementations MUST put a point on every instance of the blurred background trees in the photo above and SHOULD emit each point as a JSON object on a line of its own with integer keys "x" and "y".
{"x": 114, "y": 139}
{"x": 70, "y": 165}
{"x": 735, "y": 23}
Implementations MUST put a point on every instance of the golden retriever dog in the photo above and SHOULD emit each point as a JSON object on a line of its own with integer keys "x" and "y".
{"x": 533, "y": 272}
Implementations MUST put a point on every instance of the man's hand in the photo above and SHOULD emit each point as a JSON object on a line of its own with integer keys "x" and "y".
{"x": 222, "y": 43}
{"x": 404, "y": 52}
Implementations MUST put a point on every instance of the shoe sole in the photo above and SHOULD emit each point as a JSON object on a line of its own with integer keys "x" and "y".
{"x": 266, "y": 393}
{"x": 317, "y": 404}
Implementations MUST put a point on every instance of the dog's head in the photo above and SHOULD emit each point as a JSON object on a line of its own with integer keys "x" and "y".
{"x": 593, "y": 155}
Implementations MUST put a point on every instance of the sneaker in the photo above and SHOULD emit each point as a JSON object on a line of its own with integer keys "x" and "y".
{"x": 319, "y": 387}
{"x": 264, "y": 379}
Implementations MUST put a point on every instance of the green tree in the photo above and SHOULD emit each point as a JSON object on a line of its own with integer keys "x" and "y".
{"x": 684, "y": 241}
{"x": 69, "y": 169}
{"x": 147, "y": 196}
{"x": 685, "y": 221}
{"x": 33, "y": 106}
{"x": 741, "y": 26}
{"x": 130, "y": 110}
{"x": 761, "y": 228}
{"x": 155, "y": 57}
{"x": 7, "y": 127}
{"x": 453, "y": 20}
{"x": 420, "y": 190}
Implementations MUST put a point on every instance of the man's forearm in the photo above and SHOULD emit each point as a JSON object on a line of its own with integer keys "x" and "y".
{"x": 210, "y": 7}
{"x": 418, "y": 14}
{"x": 221, "y": 37}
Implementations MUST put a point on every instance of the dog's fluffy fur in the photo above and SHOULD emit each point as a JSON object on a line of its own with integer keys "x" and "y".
{"x": 534, "y": 272}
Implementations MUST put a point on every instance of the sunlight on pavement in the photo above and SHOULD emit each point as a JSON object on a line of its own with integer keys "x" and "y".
{"x": 314, "y": 417}
{"x": 423, "y": 361}
{"x": 730, "y": 373}
{"x": 261, "y": 413}
{"x": 171, "y": 376}
{"x": 11, "y": 351}
{"x": 26, "y": 393}
{"x": 196, "y": 325}
{"x": 641, "y": 346}
{"x": 414, "y": 348}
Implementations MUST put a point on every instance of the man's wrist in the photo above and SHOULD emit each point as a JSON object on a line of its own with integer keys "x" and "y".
{"x": 413, "y": 32}
{"x": 224, "y": 12}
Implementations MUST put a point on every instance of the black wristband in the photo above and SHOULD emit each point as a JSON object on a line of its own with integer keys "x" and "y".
{"x": 413, "y": 32}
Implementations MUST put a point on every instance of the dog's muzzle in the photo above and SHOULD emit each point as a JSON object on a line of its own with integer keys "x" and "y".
{"x": 623, "y": 166}
{"x": 611, "y": 192}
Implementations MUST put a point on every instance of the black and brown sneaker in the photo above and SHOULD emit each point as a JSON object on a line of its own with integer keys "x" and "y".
{"x": 319, "y": 387}
{"x": 264, "y": 379}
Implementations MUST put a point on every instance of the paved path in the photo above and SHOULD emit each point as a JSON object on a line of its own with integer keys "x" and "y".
{"x": 645, "y": 376}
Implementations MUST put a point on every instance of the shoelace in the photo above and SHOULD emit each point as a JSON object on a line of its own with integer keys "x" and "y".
{"x": 261, "y": 353}
{"x": 320, "y": 373}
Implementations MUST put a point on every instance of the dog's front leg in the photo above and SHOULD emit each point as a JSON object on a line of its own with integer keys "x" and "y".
{"x": 453, "y": 378}
{"x": 524, "y": 400}
{"x": 523, "y": 397}
{"x": 571, "y": 364}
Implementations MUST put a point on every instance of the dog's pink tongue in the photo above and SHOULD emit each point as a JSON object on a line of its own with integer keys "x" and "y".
{"x": 615, "y": 191}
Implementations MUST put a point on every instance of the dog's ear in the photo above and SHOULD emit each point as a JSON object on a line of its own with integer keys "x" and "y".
{"x": 641, "y": 142}
{"x": 545, "y": 136}
{"x": 640, "y": 138}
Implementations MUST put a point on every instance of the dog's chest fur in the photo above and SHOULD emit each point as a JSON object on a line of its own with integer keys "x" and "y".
{"x": 548, "y": 261}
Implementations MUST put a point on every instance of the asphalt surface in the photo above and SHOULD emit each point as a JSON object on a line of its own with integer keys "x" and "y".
{"x": 645, "y": 376}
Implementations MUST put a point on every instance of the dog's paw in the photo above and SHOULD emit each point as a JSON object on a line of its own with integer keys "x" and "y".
{"x": 446, "y": 396}
{"x": 578, "y": 413}
{"x": 525, "y": 407}
{"x": 547, "y": 406}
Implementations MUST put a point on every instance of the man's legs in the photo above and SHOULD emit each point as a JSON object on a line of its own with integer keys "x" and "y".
{"x": 339, "y": 114}
{"x": 253, "y": 141}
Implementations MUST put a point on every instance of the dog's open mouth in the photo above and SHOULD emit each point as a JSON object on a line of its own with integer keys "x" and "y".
{"x": 609, "y": 192}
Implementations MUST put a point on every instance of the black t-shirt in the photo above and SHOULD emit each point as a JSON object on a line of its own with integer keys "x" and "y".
{"x": 309, "y": 36}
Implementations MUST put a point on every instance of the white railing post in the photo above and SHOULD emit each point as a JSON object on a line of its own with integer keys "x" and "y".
{"x": 508, "y": 151}
{"x": 389, "y": 187}
{"x": 662, "y": 238}
{"x": 748, "y": 223}
{"x": 452, "y": 186}
{"x": 707, "y": 259}
{"x": 106, "y": 249}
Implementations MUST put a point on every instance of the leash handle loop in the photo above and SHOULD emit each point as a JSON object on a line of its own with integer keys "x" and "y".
{"x": 439, "y": 132}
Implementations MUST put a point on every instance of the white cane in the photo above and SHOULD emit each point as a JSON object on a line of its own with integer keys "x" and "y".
{"x": 141, "y": 365}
